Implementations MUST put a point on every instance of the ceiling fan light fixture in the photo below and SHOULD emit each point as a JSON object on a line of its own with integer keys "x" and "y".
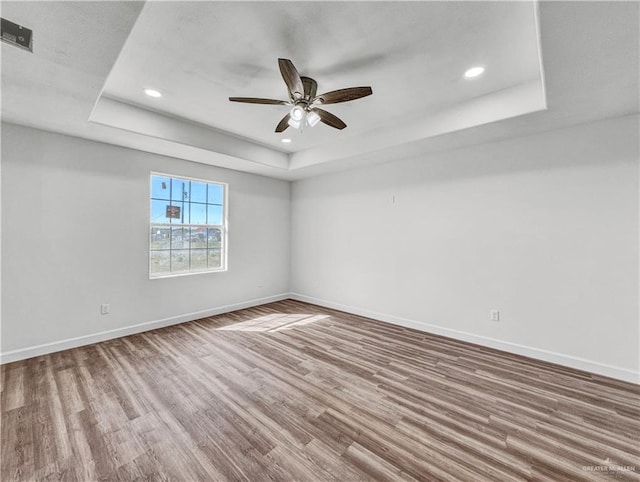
{"x": 297, "y": 113}
{"x": 293, "y": 123}
{"x": 313, "y": 118}
{"x": 473, "y": 72}
{"x": 302, "y": 99}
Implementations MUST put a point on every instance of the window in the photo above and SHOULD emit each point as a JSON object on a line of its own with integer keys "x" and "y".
{"x": 188, "y": 226}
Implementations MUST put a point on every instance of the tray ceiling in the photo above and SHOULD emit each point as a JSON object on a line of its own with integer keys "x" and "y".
{"x": 413, "y": 54}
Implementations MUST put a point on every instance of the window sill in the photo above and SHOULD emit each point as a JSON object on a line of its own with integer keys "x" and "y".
{"x": 190, "y": 273}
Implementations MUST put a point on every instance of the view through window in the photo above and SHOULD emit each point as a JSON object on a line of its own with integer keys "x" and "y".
{"x": 188, "y": 226}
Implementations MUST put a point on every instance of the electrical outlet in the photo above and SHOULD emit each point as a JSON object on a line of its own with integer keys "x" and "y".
{"x": 104, "y": 309}
{"x": 494, "y": 315}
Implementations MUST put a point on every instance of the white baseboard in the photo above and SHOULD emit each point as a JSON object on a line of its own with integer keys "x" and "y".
{"x": 55, "y": 346}
{"x": 537, "y": 353}
{"x": 618, "y": 373}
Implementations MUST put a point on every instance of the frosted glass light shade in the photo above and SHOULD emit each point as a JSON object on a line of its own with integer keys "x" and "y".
{"x": 297, "y": 113}
{"x": 313, "y": 118}
{"x": 293, "y": 123}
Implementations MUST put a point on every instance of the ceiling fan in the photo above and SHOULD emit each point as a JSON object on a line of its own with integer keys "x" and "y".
{"x": 303, "y": 99}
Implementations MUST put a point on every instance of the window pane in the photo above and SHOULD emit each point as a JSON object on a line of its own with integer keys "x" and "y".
{"x": 214, "y": 258}
{"x": 179, "y": 189}
{"x": 198, "y": 192}
{"x": 160, "y": 209}
{"x": 179, "y": 260}
{"x": 160, "y": 187}
{"x": 198, "y": 213}
{"x": 160, "y": 237}
{"x": 181, "y": 210}
{"x": 179, "y": 238}
{"x": 198, "y": 238}
{"x": 214, "y": 237}
{"x": 216, "y": 194}
{"x": 198, "y": 259}
{"x": 159, "y": 262}
{"x": 159, "y": 212}
{"x": 214, "y": 214}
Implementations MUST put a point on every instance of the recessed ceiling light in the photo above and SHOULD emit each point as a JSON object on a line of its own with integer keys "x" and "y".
{"x": 153, "y": 92}
{"x": 286, "y": 141}
{"x": 473, "y": 72}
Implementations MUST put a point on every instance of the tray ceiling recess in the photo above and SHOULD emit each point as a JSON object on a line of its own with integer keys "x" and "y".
{"x": 193, "y": 60}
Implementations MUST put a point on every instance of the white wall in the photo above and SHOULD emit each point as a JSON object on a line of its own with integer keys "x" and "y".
{"x": 75, "y": 235}
{"x": 542, "y": 228}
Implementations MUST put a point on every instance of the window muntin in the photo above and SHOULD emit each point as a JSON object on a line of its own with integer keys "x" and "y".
{"x": 187, "y": 226}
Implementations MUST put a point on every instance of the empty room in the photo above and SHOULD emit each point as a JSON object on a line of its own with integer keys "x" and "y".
{"x": 320, "y": 241}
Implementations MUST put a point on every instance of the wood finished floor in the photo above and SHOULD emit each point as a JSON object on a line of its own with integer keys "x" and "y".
{"x": 291, "y": 391}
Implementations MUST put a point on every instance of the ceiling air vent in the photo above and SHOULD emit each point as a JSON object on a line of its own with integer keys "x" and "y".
{"x": 17, "y": 35}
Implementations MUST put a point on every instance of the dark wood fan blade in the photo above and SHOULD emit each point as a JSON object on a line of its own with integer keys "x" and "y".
{"x": 284, "y": 123}
{"x": 255, "y": 100}
{"x": 343, "y": 95}
{"x": 329, "y": 119}
{"x": 291, "y": 78}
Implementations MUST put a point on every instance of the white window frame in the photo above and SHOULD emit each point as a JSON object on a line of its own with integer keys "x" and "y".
{"x": 224, "y": 227}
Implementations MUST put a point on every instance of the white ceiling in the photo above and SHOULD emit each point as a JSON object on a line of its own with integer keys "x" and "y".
{"x": 413, "y": 55}
{"x": 204, "y": 53}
